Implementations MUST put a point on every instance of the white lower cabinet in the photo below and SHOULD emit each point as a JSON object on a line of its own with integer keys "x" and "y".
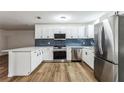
{"x": 33, "y": 60}
{"x": 88, "y": 56}
{"x": 36, "y": 58}
{"x": 68, "y": 53}
{"x": 47, "y": 53}
{"x": 22, "y": 63}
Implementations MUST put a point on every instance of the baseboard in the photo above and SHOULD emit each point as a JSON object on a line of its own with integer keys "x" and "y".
{"x": 62, "y": 61}
{"x": 55, "y": 61}
{"x": 88, "y": 65}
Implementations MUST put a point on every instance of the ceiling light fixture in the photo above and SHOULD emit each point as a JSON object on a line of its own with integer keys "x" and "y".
{"x": 38, "y": 17}
{"x": 63, "y": 18}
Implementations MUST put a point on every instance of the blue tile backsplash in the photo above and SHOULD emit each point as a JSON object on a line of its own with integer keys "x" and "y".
{"x": 44, "y": 42}
{"x": 59, "y": 42}
{"x": 67, "y": 42}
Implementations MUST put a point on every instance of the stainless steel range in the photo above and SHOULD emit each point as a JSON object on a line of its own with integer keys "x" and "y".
{"x": 59, "y": 53}
{"x": 59, "y": 50}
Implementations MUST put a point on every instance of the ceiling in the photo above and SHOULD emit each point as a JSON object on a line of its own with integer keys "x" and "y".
{"x": 27, "y": 19}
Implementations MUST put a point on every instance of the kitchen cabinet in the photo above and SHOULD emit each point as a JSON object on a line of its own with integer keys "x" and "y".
{"x": 33, "y": 60}
{"x": 36, "y": 59}
{"x": 89, "y": 31}
{"x": 88, "y": 56}
{"x": 23, "y": 62}
{"x": 75, "y": 32}
{"x": 47, "y": 53}
{"x": 38, "y": 32}
{"x": 48, "y": 31}
{"x": 81, "y": 32}
{"x": 43, "y": 31}
{"x": 68, "y": 53}
{"x": 67, "y": 32}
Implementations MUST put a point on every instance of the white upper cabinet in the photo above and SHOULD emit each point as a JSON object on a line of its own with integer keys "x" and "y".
{"x": 43, "y": 31}
{"x": 89, "y": 31}
{"x": 81, "y": 32}
{"x": 75, "y": 31}
{"x": 71, "y": 31}
{"x": 38, "y": 31}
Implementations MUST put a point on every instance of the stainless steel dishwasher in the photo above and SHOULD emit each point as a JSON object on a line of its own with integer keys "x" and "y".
{"x": 76, "y": 54}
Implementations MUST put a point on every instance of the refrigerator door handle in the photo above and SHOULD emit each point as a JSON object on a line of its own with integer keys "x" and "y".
{"x": 100, "y": 41}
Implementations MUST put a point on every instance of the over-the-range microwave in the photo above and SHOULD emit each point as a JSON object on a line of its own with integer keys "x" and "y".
{"x": 59, "y": 36}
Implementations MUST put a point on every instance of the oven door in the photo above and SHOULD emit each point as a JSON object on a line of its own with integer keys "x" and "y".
{"x": 58, "y": 55}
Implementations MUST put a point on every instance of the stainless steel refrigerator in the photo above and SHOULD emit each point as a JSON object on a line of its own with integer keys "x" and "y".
{"x": 109, "y": 49}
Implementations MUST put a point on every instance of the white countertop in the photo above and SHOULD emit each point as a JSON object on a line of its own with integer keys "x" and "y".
{"x": 29, "y": 49}
{"x": 75, "y": 46}
{"x": 25, "y": 49}
{"x": 80, "y": 46}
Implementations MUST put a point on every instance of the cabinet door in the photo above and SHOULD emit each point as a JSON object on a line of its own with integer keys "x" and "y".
{"x": 88, "y": 57}
{"x": 34, "y": 60}
{"x": 43, "y": 31}
{"x": 90, "y": 31}
{"x": 50, "y": 33}
{"x": 68, "y": 32}
{"x": 38, "y": 35}
{"x": 41, "y": 56}
{"x": 38, "y": 32}
{"x": 91, "y": 59}
{"x": 81, "y": 31}
{"x": 74, "y": 32}
{"x": 68, "y": 53}
{"x": 44, "y": 53}
{"x": 22, "y": 63}
{"x": 84, "y": 55}
{"x": 48, "y": 53}
{"x": 38, "y": 58}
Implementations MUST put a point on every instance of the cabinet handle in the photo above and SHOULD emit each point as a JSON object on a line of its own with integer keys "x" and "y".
{"x": 86, "y": 53}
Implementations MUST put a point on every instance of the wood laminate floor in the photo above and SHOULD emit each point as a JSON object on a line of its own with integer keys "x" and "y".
{"x": 4, "y": 68}
{"x": 51, "y": 72}
{"x": 59, "y": 72}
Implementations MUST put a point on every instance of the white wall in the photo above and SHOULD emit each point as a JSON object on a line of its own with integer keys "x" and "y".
{"x": 21, "y": 38}
{"x": 3, "y": 42}
{"x": 16, "y": 39}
